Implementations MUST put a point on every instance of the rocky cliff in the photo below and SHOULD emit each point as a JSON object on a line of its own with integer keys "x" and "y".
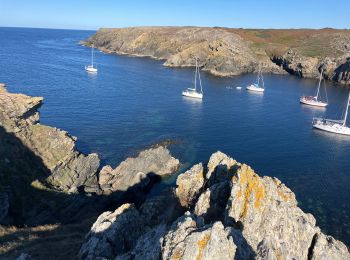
{"x": 228, "y": 52}
{"x": 221, "y": 210}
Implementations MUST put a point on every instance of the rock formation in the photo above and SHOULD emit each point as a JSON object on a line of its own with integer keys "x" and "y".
{"x": 232, "y": 213}
{"x": 228, "y": 52}
{"x": 69, "y": 168}
{"x": 140, "y": 170}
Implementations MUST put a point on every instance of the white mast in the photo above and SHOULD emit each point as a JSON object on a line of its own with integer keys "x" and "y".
{"x": 319, "y": 85}
{"x": 195, "y": 77}
{"x": 199, "y": 77}
{"x": 347, "y": 110}
{"x": 92, "y": 55}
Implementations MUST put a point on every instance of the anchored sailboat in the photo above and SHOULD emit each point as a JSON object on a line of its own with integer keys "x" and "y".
{"x": 314, "y": 101}
{"x": 256, "y": 86}
{"x": 334, "y": 126}
{"x": 193, "y": 92}
{"x": 91, "y": 68}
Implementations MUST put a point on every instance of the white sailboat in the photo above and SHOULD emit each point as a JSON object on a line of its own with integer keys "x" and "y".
{"x": 193, "y": 92}
{"x": 91, "y": 68}
{"x": 334, "y": 126}
{"x": 256, "y": 86}
{"x": 314, "y": 101}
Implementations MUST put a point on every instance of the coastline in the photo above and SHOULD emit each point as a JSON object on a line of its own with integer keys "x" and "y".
{"x": 229, "y": 52}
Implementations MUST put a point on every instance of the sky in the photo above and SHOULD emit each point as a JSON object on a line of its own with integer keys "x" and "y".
{"x": 94, "y": 14}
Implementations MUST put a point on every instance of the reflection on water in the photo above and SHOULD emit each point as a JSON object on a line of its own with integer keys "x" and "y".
{"x": 133, "y": 102}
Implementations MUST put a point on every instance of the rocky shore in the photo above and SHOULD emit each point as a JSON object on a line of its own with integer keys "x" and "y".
{"x": 56, "y": 202}
{"x": 229, "y": 52}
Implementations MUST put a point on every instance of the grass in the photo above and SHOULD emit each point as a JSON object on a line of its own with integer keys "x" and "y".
{"x": 44, "y": 242}
{"x": 307, "y": 42}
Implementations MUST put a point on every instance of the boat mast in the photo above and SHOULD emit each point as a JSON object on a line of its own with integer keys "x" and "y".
{"x": 195, "y": 76}
{"x": 92, "y": 55}
{"x": 199, "y": 77}
{"x": 347, "y": 110}
{"x": 319, "y": 85}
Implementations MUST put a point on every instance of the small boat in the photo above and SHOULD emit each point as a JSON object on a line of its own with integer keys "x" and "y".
{"x": 193, "y": 92}
{"x": 239, "y": 88}
{"x": 314, "y": 100}
{"x": 91, "y": 68}
{"x": 256, "y": 87}
{"x": 333, "y": 126}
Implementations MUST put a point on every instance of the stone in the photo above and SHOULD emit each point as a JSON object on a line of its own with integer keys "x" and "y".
{"x": 113, "y": 233}
{"x": 268, "y": 213}
{"x": 189, "y": 185}
{"x": 138, "y": 172}
{"x": 326, "y": 247}
{"x": 188, "y": 240}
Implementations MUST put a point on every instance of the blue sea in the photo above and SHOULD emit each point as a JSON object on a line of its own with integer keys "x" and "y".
{"x": 135, "y": 102}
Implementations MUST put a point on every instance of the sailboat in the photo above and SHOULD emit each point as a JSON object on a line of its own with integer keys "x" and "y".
{"x": 334, "y": 126}
{"x": 256, "y": 87}
{"x": 314, "y": 101}
{"x": 193, "y": 92}
{"x": 91, "y": 68}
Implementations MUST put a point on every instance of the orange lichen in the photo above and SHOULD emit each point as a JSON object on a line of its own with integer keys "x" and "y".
{"x": 284, "y": 196}
{"x": 177, "y": 255}
{"x": 252, "y": 184}
{"x": 202, "y": 243}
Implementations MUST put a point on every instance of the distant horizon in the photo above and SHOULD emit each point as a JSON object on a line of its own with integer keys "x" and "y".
{"x": 248, "y": 14}
{"x": 194, "y": 26}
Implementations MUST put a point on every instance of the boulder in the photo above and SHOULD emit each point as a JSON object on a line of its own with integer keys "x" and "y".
{"x": 138, "y": 172}
{"x": 187, "y": 239}
{"x": 189, "y": 185}
{"x": 113, "y": 233}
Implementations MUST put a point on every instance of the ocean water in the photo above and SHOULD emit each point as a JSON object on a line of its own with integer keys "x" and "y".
{"x": 134, "y": 102}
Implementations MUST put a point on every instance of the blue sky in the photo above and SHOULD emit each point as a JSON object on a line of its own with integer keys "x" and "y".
{"x": 93, "y": 14}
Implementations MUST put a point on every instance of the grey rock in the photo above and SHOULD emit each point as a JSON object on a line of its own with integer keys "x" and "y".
{"x": 113, "y": 233}
{"x": 187, "y": 240}
{"x": 189, "y": 185}
{"x": 326, "y": 247}
{"x": 138, "y": 171}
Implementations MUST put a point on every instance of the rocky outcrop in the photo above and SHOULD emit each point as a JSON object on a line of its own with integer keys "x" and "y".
{"x": 229, "y": 52}
{"x": 234, "y": 214}
{"x": 69, "y": 168}
{"x": 189, "y": 185}
{"x": 138, "y": 172}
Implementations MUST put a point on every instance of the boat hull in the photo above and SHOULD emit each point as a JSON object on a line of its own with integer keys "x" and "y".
{"x": 91, "y": 69}
{"x": 192, "y": 94}
{"x": 255, "y": 88}
{"x": 335, "y": 128}
{"x": 313, "y": 103}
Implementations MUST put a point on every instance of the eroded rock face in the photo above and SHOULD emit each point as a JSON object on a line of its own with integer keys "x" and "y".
{"x": 188, "y": 239}
{"x": 189, "y": 185}
{"x": 235, "y": 214}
